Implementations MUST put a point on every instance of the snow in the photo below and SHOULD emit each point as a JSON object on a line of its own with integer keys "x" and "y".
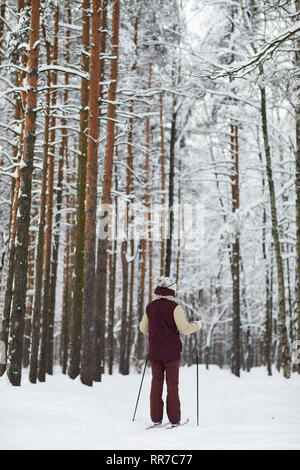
{"x": 254, "y": 411}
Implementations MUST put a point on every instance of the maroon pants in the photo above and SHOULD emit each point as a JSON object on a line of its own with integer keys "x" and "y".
{"x": 156, "y": 402}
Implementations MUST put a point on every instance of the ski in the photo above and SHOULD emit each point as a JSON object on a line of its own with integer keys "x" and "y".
{"x": 178, "y": 425}
{"x": 162, "y": 425}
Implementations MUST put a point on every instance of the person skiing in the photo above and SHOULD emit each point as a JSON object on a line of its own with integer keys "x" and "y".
{"x": 164, "y": 320}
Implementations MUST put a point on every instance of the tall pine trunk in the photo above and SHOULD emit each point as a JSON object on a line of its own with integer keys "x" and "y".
{"x": 171, "y": 189}
{"x": 130, "y": 216}
{"x": 63, "y": 154}
{"x": 111, "y": 305}
{"x": 163, "y": 185}
{"x": 13, "y": 226}
{"x": 29, "y": 301}
{"x": 38, "y": 282}
{"x": 42, "y": 367}
{"x": 235, "y": 256}
{"x": 23, "y": 222}
{"x": 147, "y": 183}
{"x": 77, "y": 301}
{"x": 106, "y": 201}
{"x": 297, "y": 115}
{"x": 67, "y": 290}
{"x": 88, "y": 337}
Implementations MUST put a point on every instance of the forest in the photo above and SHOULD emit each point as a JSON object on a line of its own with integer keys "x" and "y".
{"x": 139, "y": 139}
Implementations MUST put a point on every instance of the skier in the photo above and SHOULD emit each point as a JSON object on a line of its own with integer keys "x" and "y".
{"x": 164, "y": 320}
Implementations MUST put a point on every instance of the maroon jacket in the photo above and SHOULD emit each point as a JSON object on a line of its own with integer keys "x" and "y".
{"x": 164, "y": 341}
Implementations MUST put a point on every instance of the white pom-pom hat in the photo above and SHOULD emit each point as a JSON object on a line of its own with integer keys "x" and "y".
{"x": 166, "y": 282}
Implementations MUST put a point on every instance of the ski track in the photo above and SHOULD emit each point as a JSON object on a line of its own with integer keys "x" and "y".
{"x": 251, "y": 412}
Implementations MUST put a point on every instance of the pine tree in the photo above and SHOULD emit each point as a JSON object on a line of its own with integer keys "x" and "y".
{"x": 15, "y": 350}
{"x": 106, "y": 201}
{"x": 88, "y": 338}
{"x": 76, "y": 323}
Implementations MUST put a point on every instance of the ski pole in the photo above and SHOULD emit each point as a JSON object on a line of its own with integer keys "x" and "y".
{"x": 137, "y": 401}
{"x": 197, "y": 352}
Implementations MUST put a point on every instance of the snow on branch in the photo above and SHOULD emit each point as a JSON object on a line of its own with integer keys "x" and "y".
{"x": 261, "y": 56}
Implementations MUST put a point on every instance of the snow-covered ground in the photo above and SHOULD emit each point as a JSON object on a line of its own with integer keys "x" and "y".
{"x": 253, "y": 412}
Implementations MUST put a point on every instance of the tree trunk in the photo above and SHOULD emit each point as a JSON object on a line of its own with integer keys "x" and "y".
{"x": 30, "y": 286}
{"x": 88, "y": 338}
{"x": 38, "y": 282}
{"x": 297, "y": 115}
{"x": 235, "y": 256}
{"x": 123, "y": 334}
{"x": 143, "y": 243}
{"x": 283, "y": 349}
{"x": 67, "y": 292}
{"x": 106, "y": 202}
{"x": 2, "y": 14}
{"x": 111, "y": 304}
{"x": 23, "y": 222}
{"x": 13, "y": 226}
{"x": 147, "y": 184}
{"x": 130, "y": 215}
{"x": 99, "y": 311}
{"x": 49, "y": 217}
{"x": 268, "y": 320}
{"x": 130, "y": 311}
{"x": 235, "y": 248}
{"x": 139, "y": 349}
{"x": 163, "y": 186}
{"x": 171, "y": 189}
{"x": 76, "y": 323}
{"x": 54, "y": 261}
{"x": 179, "y": 222}
{"x": 65, "y": 326}
{"x": 20, "y": 105}
{"x": 63, "y": 154}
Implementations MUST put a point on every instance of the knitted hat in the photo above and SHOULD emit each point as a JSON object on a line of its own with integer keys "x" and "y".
{"x": 166, "y": 282}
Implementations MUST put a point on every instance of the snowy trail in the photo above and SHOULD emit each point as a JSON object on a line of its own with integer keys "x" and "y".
{"x": 253, "y": 412}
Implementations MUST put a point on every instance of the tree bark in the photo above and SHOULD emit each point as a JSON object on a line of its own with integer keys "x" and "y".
{"x": 42, "y": 367}
{"x": 171, "y": 189}
{"x": 67, "y": 292}
{"x": 235, "y": 256}
{"x": 30, "y": 287}
{"x": 123, "y": 334}
{"x": 88, "y": 338}
{"x": 111, "y": 305}
{"x": 143, "y": 244}
{"x": 130, "y": 214}
{"x": 147, "y": 183}
{"x": 38, "y": 282}
{"x": 2, "y": 14}
{"x": 15, "y": 187}
{"x": 139, "y": 349}
{"x": 76, "y": 322}
{"x": 106, "y": 202}
{"x": 63, "y": 155}
{"x": 283, "y": 349}
{"x": 23, "y": 222}
{"x": 297, "y": 115}
{"x": 13, "y": 226}
{"x": 268, "y": 320}
{"x": 163, "y": 186}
